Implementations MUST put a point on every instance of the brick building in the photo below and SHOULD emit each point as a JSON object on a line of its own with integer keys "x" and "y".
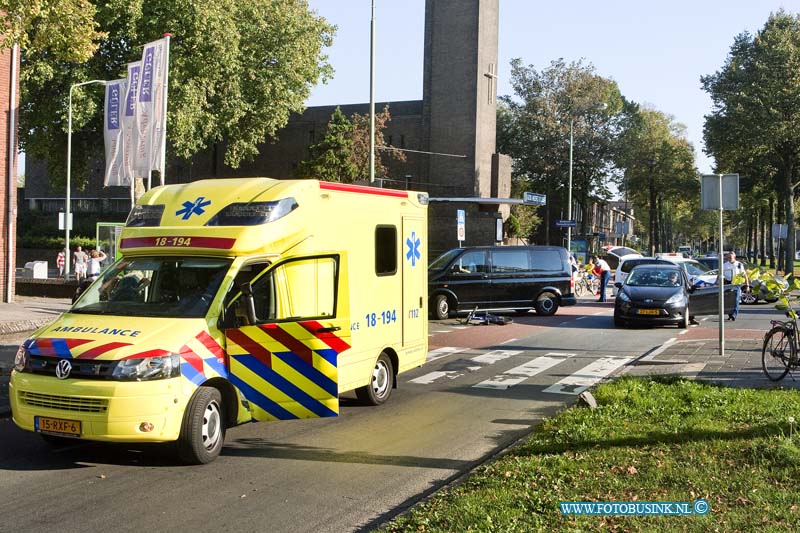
{"x": 9, "y": 101}
{"x": 456, "y": 117}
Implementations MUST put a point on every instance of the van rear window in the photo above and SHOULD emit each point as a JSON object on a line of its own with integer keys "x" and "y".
{"x": 385, "y": 250}
{"x": 547, "y": 260}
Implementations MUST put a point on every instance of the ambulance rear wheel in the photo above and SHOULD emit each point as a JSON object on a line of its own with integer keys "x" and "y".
{"x": 381, "y": 384}
{"x": 203, "y": 429}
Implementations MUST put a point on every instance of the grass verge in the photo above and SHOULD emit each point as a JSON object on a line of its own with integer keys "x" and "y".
{"x": 650, "y": 439}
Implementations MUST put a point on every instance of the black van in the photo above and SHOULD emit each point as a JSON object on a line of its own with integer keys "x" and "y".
{"x": 500, "y": 277}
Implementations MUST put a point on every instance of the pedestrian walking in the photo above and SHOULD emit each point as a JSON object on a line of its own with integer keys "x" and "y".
{"x": 605, "y": 275}
{"x": 732, "y": 268}
{"x": 95, "y": 260}
{"x": 61, "y": 261}
{"x": 79, "y": 261}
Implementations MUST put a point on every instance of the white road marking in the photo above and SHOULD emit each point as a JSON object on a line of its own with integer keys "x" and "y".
{"x": 438, "y": 353}
{"x": 517, "y": 375}
{"x": 430, "y": 377}
{"x": 495, "y": 355}
{"x": 587, "y": 376}
{"x": 683, "y": 332}
{"x": 581, "y": 317}
{"x": 561, "y": 354}
{"x": 509, "y": 340}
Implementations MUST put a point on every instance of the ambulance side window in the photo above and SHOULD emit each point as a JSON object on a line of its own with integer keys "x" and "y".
{"x": 300, "y": 289}
{"x": 385, "y": 250}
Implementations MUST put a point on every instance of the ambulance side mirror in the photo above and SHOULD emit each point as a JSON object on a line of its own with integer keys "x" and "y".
{"x": 248, "y": 302}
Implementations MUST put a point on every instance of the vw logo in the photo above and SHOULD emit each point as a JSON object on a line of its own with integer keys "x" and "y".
{"x": 648, "y": 300}
{"x": 63, "y": 368}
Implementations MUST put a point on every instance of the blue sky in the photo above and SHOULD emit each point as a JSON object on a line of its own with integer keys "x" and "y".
{"x": 656, "y": 51}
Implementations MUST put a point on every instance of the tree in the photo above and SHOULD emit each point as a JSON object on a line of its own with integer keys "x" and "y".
{"x": 534, "y": 125}
{"x": 658, "y": 165}
{"x": 332, "y": 157}
{"x": 360, "y": 138}
{"x": 238, "y": 68}
{"x": 756, "y": 109}
{"x": 66, "y": 29}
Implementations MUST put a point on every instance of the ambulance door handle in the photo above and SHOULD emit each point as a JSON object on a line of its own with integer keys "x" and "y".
{"x": 328, "y": 329}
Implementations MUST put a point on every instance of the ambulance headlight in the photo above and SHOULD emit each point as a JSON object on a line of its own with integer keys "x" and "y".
{"x": 150, "y": 368}
{"x": 22, "y": 361}
{"x": 253, "y": 213}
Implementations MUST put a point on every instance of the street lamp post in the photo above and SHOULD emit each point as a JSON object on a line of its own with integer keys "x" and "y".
{"x": 569, "y": 191}
{"x": 69, "y": 171}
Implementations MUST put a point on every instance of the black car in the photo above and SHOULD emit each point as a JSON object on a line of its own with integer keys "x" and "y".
{"x": 500, "y": 277}
{"x": 661, "y": 294}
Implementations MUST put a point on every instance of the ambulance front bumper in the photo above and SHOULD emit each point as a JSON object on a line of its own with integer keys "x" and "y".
{"x": 114, "y": 411}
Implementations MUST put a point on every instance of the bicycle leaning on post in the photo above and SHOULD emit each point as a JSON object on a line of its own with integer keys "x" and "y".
{"x": 779, "y": 352}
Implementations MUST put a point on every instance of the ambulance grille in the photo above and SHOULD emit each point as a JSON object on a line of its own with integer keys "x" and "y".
{"x": 65, "y": 403}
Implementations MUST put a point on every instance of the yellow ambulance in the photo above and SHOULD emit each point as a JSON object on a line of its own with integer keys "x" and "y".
{"x": 234, "y": 300}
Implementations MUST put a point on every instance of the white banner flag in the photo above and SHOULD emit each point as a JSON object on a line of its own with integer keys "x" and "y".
{"x": 112, "y": 131}
{"x": 129, "y": 136}
{"x": 150, "y": 116}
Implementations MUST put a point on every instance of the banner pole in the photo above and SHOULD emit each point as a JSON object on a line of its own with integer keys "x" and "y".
{"x": 163, "y": 163}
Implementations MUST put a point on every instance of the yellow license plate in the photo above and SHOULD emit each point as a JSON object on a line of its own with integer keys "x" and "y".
{"x": 57, "y": 425}
{"x": 648, "y": 312}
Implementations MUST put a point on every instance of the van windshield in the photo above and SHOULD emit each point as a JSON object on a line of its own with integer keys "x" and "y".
{"x": 443, "y": 260}
{"x": 155, "y": 287}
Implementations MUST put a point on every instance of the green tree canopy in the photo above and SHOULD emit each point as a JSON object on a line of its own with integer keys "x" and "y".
{"x": 534, "y": 128}
{"x": 752, "y": 128}
{"x": 331, "y": 158}
{"x": 238, "y": 68}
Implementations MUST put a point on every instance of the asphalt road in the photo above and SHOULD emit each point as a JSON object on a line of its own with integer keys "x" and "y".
{"x": 482, "y": 389}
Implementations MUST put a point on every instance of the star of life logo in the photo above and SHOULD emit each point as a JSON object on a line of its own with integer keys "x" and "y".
{"x": 193, "y": 208}
{"x": 413, "y": 254}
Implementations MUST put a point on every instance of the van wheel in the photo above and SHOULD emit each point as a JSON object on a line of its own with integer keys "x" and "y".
{"x": 441, "y": 307}
{"x": 546, "y": 304}
{"x": 381, "y": 383}
{"x": 203, "y": 428}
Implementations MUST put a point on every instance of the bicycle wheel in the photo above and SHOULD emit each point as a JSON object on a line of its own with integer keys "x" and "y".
{"x": 778, "y": 353}
{"x": 581, "y": 290}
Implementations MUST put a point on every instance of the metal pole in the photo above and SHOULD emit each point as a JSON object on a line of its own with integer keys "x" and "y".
{"x": 372, "y": 96}
{"x": 721, "y": 280}
{"x": 569, "y": 190}
{"x": 69, "y": 171}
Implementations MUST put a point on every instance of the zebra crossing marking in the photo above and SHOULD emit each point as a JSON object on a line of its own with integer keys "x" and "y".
{"x": 587, "y": 376}
{"x": 518, "y": 374}
{"x": 438, "y": 353}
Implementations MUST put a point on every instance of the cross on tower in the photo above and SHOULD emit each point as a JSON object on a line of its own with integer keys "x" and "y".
{"x": 492, "y": 76}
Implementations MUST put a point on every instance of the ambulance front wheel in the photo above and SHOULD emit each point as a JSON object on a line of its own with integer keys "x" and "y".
{"x": 381, "y": 384}
{"x": 203, "y": 428}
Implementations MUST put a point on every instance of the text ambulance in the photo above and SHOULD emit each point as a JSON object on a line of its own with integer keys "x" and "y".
{"x": 234, "y": 300}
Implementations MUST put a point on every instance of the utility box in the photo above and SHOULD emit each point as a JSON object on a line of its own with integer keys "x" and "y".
{"x": 36, "y": 269}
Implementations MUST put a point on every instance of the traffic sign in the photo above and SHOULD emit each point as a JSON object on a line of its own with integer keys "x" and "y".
{"x": 566, "y": 223}
{"x": 534, "y": 198}
{"x": 461, "y": 225}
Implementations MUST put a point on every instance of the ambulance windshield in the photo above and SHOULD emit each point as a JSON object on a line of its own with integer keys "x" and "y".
{"x": 155, "y": 287}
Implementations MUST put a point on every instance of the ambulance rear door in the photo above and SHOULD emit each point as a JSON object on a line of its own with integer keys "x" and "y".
{"x": 285, "y": 364}
{"x": 415, "y": 285}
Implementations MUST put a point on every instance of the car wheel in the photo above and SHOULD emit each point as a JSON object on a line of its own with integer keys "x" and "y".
{"x": 203, "y": 428}
{"x": 381, "y": 382}
{"x": 441, "y": 307}
{"x": 618, "y": 322}
{"x": 546, "y": 304}
{"x": 684, "y": 323}
{"x": 748, "y": 298}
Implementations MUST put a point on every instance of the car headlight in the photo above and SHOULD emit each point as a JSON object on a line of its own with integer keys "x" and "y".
{"x": 622, "y": 296}
{"x": 676, "y": 298}
{"x": 150, "y": 368}
{"x": 22, "y": 361}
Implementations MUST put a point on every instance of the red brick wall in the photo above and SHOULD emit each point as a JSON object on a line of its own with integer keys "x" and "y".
{"x": 7, "y": 197}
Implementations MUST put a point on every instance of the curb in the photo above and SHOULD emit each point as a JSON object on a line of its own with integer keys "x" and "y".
{"x": 20, "y": 326}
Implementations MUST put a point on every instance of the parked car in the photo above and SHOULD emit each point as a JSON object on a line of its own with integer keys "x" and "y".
{"x": 614, "y": 254}
{"x": 500, "y": 277}
{"x": 662, "y": 294}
